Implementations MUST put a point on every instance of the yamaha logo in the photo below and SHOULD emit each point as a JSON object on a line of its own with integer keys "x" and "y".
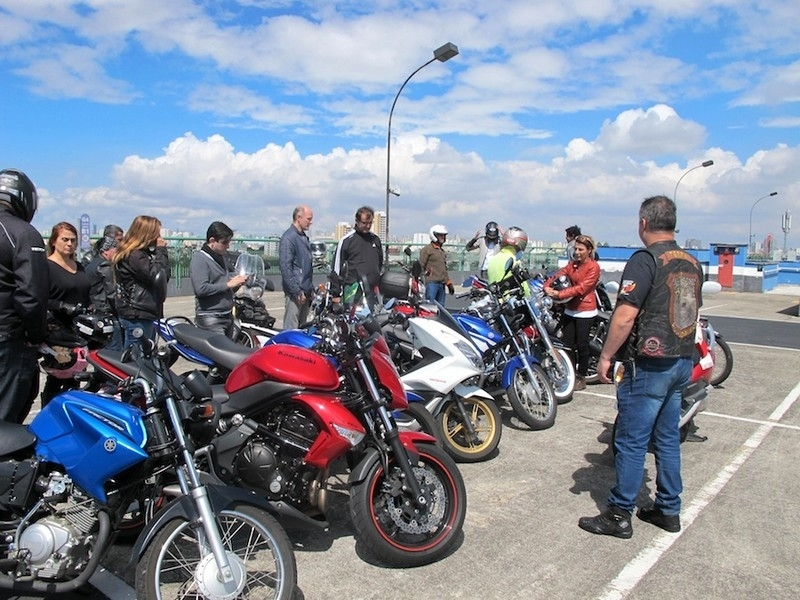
{"x": 110, "y": 445}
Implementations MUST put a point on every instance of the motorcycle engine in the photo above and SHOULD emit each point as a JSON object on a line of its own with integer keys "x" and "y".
{"x": 273, "y": 466}
{"x": 59, "y": 544}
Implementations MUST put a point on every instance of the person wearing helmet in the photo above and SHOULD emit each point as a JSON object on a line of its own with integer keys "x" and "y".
{"x": 358, "y": 254}
{"x": 575, "y": 284}
{"x": 215, "y": 281}
{"x": 433, "y": 260}
{"x": 513, "y": 244}
{"x": 24, "y": 293}
{"x": 488, "y": 242}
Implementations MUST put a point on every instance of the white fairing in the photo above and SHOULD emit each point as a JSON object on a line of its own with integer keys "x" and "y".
{"x": 449, "y": 371}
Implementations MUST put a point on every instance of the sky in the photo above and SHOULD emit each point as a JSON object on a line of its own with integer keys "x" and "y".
{"x": 553, "y": 113}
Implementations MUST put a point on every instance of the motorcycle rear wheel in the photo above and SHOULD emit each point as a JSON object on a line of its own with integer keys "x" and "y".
{"x": 257, "y": 547}
{"x": 390, "y": 524}
{"x": 486, "y": 421}
{"x": 534, "y": 403}
{"x": 723, "y": 361}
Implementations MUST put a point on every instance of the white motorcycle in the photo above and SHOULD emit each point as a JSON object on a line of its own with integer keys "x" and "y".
{"x": 441, "y": 370}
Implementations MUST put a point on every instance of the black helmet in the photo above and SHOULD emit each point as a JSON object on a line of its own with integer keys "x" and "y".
{"x": 492, "y": 231}
{"x": 562, "y": 282}
{"x": 19, "y": 192}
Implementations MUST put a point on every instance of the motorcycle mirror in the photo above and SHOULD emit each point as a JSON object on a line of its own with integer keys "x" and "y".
{"x": 416, "y": 270}
{"x": 612, "y": 287}
{"x": 407, "y": 251}
{"x": 711, "y": 287}
{"x": 509, "y": 266}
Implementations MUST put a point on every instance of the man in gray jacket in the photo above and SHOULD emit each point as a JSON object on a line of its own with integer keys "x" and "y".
{"x": 296, "y": 267}
{"x": 214, "y": 281}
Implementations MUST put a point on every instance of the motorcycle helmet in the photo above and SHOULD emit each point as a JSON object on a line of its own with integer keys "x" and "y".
{"x": 318, "y": 251}
{"x": 437, "y": 230}
{"x": 492, "y": 231}
{"x": 19, "y": 192}
{"x": 562, "y": 282}
{"x": 516, "y": 237}
{"x": 64, "y": 363}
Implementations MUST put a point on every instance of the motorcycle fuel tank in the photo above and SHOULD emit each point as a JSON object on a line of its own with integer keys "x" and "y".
{"x": 284, "y": 363}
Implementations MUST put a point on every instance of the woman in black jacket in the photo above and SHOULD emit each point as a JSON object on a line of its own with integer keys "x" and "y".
{"x": 141, "y": 272}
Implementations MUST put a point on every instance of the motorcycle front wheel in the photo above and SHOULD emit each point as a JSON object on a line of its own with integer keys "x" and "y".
{"x": 563, "y": 385}
{"x": 484, "y": 420}
{"x": 392, "y": 525}
{"x": 533, "y": 401}
{"x": 723, "y": 361}
{"x": 259, "y": 553}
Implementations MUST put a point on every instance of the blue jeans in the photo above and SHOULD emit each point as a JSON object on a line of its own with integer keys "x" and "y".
{"x": 434, "y": 292}
{"x": 129, "y": 327}
{"x": 649, "y": 406}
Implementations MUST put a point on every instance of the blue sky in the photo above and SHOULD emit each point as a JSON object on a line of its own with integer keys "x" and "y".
{"x": 553, "y": 113}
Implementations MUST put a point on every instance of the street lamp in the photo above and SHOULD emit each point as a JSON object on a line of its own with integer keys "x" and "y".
{"x": 707, "y": 163}
{"x": 750, "y": 236}
{"x": 442, "y": 54}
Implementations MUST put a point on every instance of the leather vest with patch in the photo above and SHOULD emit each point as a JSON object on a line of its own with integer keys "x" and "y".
{"x": 665, "y": 326}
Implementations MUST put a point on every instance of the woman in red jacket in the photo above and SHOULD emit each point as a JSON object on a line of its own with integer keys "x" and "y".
{"x": 581, "y": 304}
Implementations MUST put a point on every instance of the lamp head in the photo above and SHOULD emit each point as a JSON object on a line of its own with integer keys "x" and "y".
{"x": 446, "y": 52}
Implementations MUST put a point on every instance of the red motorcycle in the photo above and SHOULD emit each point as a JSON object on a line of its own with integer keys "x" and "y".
{"x": 286, "y": 413}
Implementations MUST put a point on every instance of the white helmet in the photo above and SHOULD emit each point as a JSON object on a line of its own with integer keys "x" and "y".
{"x": 516, "y": 237}
{"x": 440, "y": 229}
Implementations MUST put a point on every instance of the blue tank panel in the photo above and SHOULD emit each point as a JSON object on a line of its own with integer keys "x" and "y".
{"x": 478, "y": 328}
{"x": 94, "y": 438}
{"x": 294, "y": 337}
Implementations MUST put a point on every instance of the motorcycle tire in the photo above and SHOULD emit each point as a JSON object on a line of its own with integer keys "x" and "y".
{"x": 247, "y": 340}
{"x": 418, "y": 418}
{"x": 390, "y": 524}
{"x": 535, "y": 405}
{"x": 563, "y": 387}
{"x": 484, "y": 415}
{"x": 723, "y": 361}
{"x": 260, "y": 554}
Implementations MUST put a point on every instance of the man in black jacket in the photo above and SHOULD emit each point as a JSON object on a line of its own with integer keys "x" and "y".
{"x": 24, "y": 293}
{"x": 358, "y": 253}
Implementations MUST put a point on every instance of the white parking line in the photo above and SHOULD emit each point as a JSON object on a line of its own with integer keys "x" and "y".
{"x": 637, "y": 568}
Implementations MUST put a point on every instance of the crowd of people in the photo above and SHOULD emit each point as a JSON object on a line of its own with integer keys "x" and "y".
{"x": 650, "y": 341}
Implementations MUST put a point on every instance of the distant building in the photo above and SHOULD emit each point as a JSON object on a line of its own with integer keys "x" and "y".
{"x": 341, "y": 229}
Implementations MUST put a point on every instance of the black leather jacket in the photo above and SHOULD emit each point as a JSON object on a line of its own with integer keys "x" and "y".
{"x": 136, "y": 275}
{"x": 24, "y": 280}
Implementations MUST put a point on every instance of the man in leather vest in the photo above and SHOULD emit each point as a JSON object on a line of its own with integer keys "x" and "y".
{"x": 651, "y": 336}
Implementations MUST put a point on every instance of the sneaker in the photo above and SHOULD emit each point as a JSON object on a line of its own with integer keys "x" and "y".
{"x": 654, "y": 516}
{"x": 580, "y": 384}
{"x": 612, "y": 521}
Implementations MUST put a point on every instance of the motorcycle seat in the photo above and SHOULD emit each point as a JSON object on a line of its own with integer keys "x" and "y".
{"x": 215, "y": 346}
{"x": 14, "y": 437}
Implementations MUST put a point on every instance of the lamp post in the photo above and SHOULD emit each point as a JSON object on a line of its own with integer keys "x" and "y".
{"x": 750, "y": 236}
{"x": 442, "y": 54}
{"x": 704, "y": 164}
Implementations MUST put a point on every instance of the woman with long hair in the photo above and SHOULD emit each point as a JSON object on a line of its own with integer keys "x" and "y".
{"x": 583, "y": 273}
{"x": 141, "y": 272}
{"x": 69, "y": 295}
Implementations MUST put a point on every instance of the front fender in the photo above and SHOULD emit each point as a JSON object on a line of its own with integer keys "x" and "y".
{"x": 512, "y": 366}
{"x": 409, "y": 439}
{"x": 467, "y": 391}
{"x": 183, "y": 508}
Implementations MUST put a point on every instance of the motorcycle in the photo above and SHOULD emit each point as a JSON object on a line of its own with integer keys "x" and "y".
{"x": 68, "y": 480}
{"x": 252, "y": 320}
{"x": 287, "y": 412}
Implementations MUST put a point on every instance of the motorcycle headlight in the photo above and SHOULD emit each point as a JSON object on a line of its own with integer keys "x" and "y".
{"x": 471, "y": 354}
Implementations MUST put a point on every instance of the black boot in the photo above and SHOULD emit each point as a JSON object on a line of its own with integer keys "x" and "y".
{"x": 612, "y": 521}
{"x": 653, "y": 515}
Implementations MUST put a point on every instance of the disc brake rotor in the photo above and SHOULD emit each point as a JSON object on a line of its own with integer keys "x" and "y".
{"x": 412, "y": 519}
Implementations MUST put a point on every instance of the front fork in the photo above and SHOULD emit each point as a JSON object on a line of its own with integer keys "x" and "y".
{"x": 526, "y": 359}
{"x": 392, "y": 436}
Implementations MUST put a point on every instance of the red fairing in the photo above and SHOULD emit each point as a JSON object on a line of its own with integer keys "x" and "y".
{"x": 388, "y": 375}
{"x": 698, "y": 372}
{"x": 107, "y": 368}
{"x": 286, "y": 364}
{"x": 329, "y": 444}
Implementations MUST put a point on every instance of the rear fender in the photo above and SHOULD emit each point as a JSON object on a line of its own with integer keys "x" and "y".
{"x": 512, "y": 366}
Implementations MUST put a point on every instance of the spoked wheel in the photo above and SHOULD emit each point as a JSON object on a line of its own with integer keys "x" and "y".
{"x": 723, "y": 361}
{"x": 418, "y": 418}
{"x": 400, "y": 531}
{"x": 259, "y": 553}
{"x": 484, "y": 417}
{"x": 563, "y": 382}
{"x": 245, "y": 339}
{"x": 533, "y": 401}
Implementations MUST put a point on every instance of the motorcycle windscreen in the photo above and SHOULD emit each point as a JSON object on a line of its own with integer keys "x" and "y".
{"x": 92, "y": 437}
{"x": 286, "y": 364}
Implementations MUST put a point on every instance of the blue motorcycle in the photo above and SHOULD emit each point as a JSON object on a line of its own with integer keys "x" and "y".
{"x": 88, "y": 465}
